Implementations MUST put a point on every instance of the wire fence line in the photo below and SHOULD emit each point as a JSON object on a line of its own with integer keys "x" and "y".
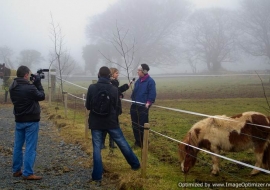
{"x": 187, "y": 112}
{"x": 196, "y": 113}
{"x": 83, "y": 99}
{"x": 168, "y": 108}
{"x": 178, "y": 75}
{"x": 72, "y": 83}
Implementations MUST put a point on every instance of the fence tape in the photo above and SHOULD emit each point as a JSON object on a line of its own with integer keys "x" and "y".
{"x": 194, "y": 113}
{"x": 71, "y": 83}
{"x": 76, "y": 96}
{"x": 188, "y": 112}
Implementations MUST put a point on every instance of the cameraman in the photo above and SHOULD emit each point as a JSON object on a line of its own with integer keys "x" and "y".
{"x": 25, "y": 98}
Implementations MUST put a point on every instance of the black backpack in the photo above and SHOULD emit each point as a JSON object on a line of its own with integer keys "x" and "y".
{"x": 101, "y": 103}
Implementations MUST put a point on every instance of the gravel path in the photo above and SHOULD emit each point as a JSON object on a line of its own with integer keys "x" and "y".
{"x": 61, "y": 165}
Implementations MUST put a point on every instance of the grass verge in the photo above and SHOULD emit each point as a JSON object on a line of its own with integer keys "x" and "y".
{"x": 163, "y": 169}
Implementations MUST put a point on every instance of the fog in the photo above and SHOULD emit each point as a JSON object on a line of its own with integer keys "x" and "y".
{"x": 26, "y": 25}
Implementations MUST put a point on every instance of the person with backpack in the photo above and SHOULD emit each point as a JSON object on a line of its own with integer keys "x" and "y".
{"x": 121, "y": 89}
{"x": 143, "y": 96}
{"x": 102, "y": 100}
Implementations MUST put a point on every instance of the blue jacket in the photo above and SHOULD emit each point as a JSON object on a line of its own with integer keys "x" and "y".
{"x": 144, "y": 90}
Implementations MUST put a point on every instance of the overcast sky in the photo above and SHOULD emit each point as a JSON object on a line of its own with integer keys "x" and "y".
{"x": 25, "y": 24}
{"x": 231, "y": 4}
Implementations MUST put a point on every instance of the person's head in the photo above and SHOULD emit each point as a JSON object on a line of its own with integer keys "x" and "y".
{"x": 143, "y": 70}
{"x": 114, "y": 73}
{"x": 23, "y": 72}
{"x": 104, "y": 72}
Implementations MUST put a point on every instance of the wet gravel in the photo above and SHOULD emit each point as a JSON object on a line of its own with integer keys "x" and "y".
{"x": 62, "y": 165}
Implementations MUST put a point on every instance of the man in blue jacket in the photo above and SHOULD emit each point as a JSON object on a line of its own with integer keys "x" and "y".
{"x": 143, "y": 96}
{"x": 25, "y": 97}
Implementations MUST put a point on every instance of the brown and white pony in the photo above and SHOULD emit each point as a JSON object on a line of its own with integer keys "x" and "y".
{"x": 234, "y": 134}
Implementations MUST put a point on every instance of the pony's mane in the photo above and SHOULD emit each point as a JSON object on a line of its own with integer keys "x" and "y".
{"x": 194, "y": 134}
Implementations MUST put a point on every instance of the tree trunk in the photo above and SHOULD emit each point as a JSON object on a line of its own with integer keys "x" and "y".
{"x": 217, "y": 66}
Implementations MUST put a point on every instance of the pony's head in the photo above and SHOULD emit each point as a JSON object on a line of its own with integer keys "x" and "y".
{"x": 187, "y": 154}
{"x": 2, "y": 69}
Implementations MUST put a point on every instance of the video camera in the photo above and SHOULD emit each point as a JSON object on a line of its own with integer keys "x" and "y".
{"x": 40, "y": 73}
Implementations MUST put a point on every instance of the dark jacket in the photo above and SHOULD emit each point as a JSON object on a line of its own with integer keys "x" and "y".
{"x": 102, "y": 122}
{"x": 121, "y": 89}
{"x": 25, "y": 97}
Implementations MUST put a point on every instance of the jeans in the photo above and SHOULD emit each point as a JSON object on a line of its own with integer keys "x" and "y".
{"x": 119, "y": 139}
{"x": 139, "y": 116}
{"x": 25, "y": 132}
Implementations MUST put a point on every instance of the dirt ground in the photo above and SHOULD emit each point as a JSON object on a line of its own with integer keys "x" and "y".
{"x": 62, "y": 165}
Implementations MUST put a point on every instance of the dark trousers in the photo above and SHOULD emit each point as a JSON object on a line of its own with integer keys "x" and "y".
{"x": 139, "y": 116}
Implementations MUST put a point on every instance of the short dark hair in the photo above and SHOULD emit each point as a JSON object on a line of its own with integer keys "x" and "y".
{"x": 104, "y": 72}
{"x": 22, "y": 70}
{"x": 145, "y": 67}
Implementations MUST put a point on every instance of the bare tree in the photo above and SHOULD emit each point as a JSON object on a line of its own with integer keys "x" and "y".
{"x": 210, "y": 37}
{"x": 30, "y": 57}
{"x": 65, "y": 63}
{"x": 5, "y": 55}
{"x": 152, "y": 23}
{"x": 57, "y": 39}
{"x": 52, "y": 59}
{"x": 254, "y": 22}
{"x": 91, "y": 58}
{"x": 125, "y": 51}
{"x": 192, "y": 59}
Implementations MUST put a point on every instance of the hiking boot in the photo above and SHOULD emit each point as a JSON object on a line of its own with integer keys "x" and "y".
{"x": 32, "y": 177}
{"x": 17, "y": 174}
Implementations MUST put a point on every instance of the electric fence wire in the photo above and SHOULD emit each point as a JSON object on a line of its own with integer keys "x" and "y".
{"x": 193, "y": 113}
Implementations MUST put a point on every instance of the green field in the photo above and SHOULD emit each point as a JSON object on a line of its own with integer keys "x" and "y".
{"x": 211, "y": 95}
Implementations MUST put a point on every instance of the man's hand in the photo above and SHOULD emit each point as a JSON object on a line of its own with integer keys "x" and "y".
{"x": 37, "y": 80}
{"x": 147, "y": 105}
